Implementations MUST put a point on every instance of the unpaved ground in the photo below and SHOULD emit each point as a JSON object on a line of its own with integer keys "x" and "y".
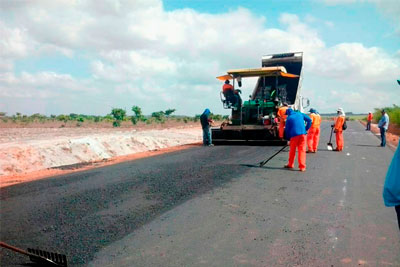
{"x": 26, "y": 151}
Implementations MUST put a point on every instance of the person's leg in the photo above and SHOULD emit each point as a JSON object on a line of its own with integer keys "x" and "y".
{"x": 397, "y": 208}
{"x": 382, "y": 130}
{"x": 292, "y": 152}
{"x": 205, "y": 137}
{"x": 337, "y": 140}
{"x": 209, "y": 136}
{"x": 310, "y": 139}
{"x": 384, "y": 137}
{"x": 281, "y": 129}
{"x": 316, "y": 139}
{"x": 301, "y": 146}
{"x": 341, "y": 142}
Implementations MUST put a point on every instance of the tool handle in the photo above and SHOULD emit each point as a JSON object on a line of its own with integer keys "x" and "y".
{"x": 330, "y": 138}
{"x": 262, "y": 163}
{"x": 5, "y": 245}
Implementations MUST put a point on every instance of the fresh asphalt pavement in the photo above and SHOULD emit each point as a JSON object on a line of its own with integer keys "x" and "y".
{"x": 213, "y": 206}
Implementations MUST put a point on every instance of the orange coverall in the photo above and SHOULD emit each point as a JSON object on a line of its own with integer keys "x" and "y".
{"x": 338, "y": 128}
{"x": 313, "y": 132}
{"x": 282, "y": 120}
{"x": 298, "y": 142}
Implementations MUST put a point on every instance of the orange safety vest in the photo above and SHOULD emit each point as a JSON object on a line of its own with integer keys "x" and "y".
{"x": 227, "y": 87}
{"x": 316, "y": 120}
{"x": 282, "y": 113}
{"x": 370, "y": 117}
{"x": 339, "y": 123}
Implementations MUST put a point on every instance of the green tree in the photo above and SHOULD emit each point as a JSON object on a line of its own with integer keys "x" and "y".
{"x": 138, "y": 116}
{"x": 168, "y": 112}
{"x": 158, "y": 116}
{"x": 119, "y": 115}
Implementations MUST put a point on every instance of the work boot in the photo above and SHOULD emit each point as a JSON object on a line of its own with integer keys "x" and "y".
{"x": 287, "y": 167}
{"x": 302, "y": 170}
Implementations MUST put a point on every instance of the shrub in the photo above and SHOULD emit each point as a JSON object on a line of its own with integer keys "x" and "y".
{"x": 158, "y": 116}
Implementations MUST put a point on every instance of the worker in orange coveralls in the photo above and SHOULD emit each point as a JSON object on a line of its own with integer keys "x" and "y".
{"x": 296, "y": 131}
{"x": 369, "y": 121}
{"x": 229, "y": 93}
{"x": 338, "y": 129}
{"x": 313, "y": 133}
{"x": 282, "y": 119}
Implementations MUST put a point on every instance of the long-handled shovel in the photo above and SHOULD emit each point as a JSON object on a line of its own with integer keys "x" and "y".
{"x": 41, "y": 257}
{"x": 330, "y": 146}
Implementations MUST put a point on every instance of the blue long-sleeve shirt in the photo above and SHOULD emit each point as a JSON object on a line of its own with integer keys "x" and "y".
{"x": 384, "y": 122}
{"x": 391, "y": 189}
{"x": 295, "y": 124}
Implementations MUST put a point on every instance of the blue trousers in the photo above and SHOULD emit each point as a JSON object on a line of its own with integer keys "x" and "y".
{"x": 383, "y": 136}
{"x": 368, "y": 126}
{"x": 206, "y": 136}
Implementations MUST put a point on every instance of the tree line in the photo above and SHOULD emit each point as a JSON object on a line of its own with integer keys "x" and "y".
{"x": 116, "y": 117}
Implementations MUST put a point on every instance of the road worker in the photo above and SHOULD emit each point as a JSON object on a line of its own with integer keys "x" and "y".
{"x": 296, "y": 131}
{"x": 206, "y": 122}
{"x": 229, "y": 93}
{"x": 282, "y": 119}
{"x": 338, "y": 129}
{"x": 313, "y": 133}
{"x": 369, "y": 121}
{"x": 383, "y": 126}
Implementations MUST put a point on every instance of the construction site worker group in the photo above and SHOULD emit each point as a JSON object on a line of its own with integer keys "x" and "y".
{"x": 303, "y": 131}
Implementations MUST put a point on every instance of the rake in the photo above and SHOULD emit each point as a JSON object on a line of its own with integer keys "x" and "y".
{"x": 41, "y": 257}
{"x": 262, "y": 163}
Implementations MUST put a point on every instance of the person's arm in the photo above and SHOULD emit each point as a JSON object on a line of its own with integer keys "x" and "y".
{"x": 308, "y": 121}
{"x": 339, "y": 123}
{"x": 384, "y": 121}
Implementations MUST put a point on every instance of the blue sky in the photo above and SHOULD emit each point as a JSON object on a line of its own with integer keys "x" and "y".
{"x": 88, "y": 56}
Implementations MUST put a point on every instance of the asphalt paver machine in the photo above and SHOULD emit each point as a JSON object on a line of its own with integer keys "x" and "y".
{"x": 255, "y": 120}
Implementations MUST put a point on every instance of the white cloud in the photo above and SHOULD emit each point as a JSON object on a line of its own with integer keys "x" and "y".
{"x": 389, "y": 8}
{"x": 143, "y": 54}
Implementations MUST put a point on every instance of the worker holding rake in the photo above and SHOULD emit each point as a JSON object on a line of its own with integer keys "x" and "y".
{"x": 295, "y": 131}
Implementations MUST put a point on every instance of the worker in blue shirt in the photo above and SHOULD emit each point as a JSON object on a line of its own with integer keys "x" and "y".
{"x": 295, "y": 131}
{"x": 383, "y": 125}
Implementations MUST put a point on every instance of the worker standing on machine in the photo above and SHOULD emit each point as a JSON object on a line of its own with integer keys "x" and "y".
{"x": 313, "y": 133}
{"x": 229, "y": 93}
{"x": 282, "y": 119}
{"x": 338, "y": 129}
{"x": 296, "y": 131}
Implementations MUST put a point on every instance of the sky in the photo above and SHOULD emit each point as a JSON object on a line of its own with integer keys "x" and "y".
{"x": 87, "y": 57}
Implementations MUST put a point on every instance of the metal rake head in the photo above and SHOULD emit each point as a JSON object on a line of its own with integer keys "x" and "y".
{"x": 47, "y": 258}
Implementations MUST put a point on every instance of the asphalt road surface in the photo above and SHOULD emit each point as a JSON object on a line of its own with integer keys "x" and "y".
{"x": 213, "y": 206}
